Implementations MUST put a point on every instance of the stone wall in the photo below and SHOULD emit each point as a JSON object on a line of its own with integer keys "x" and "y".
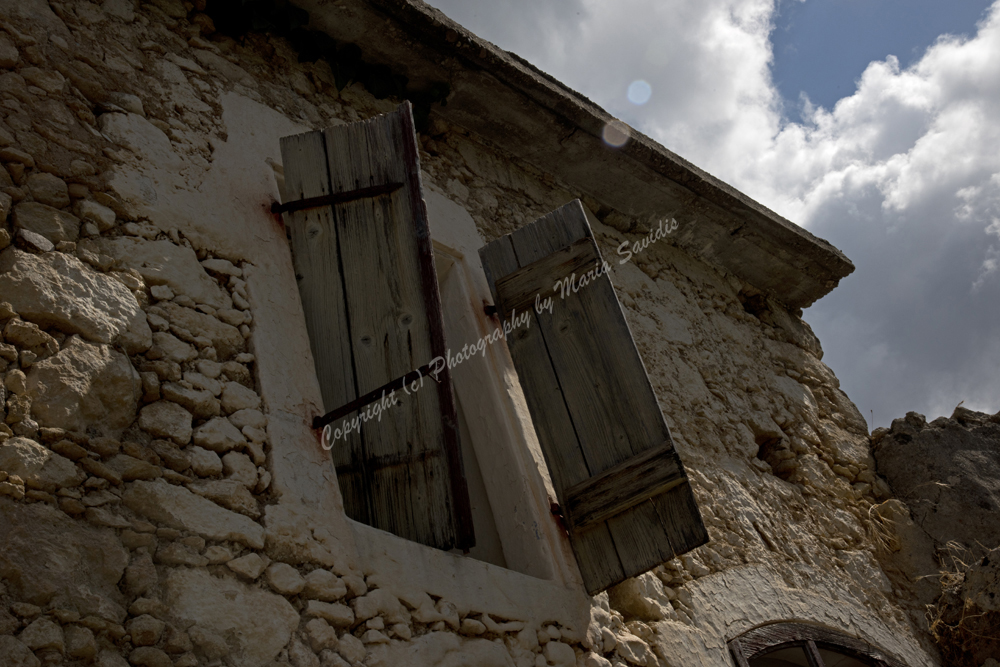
{"x": 164, "y": 500}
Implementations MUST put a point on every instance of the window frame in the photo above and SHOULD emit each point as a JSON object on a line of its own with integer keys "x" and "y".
{"x": 765, "y": 639}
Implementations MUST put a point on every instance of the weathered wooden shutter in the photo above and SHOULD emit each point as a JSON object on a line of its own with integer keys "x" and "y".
{"x": 623, "y": 490}
{"x": 364, "y": 263}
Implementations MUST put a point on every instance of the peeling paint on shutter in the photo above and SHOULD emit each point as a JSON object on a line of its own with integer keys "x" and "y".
{"x": 364, "y": 263}
{"x": 626, "y": 498}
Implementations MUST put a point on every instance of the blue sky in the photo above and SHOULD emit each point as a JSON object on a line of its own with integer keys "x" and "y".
{"x": 821, "y": 48}
{"x": 895, "y": 159}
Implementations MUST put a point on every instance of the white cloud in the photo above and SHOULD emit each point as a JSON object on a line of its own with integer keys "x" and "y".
{"x": 903, "y": 175}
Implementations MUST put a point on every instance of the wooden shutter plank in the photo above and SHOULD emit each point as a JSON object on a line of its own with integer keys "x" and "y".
{"x": 553, "y": 424}
{"x": 612, "y": 423}
{"x": 317, "y": 269}
{"x": 403, "y": 473}
{"x": 518, "y": 291}
{"x": 624, "y": 486}
{"x": 604, "y": 390}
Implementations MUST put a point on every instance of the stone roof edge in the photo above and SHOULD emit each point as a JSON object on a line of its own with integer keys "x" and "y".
{"x": 741, "y": 235}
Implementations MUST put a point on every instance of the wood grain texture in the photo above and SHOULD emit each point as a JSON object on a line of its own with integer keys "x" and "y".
{"x": 737, "y": 652}
{"x": 400, "y": 474}
{"x": 624, "y": 486}
{"x": 316, "y": 258}
{"x": 583, "y": 367}
{"x": 552, "y": 422}
{"x": 518, "y": 290}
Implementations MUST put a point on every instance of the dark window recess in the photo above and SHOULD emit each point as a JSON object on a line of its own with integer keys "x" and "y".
{"x": 798, "y": 644}
{"x": 365, "y": 268}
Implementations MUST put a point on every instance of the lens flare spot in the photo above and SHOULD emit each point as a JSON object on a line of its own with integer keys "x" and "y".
{"x": 615, "y": 133}
{"x": 639, "y": 92}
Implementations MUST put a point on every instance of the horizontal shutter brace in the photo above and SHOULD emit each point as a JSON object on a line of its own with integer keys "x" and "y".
{"x": 389, "y": 460}
{"x": 370, "y": 397}
{"x": 336, "y": 198}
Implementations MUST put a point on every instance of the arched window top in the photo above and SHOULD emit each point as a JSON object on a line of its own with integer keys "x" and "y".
{"x": 802, "y": 645}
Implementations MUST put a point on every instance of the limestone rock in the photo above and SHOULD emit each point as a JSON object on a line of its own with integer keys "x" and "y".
{"x": 164, "y": 419}
{"x": 33, "y": 243}
{"x": 91, "y": 211}
{"x": 48, "y": 558}
{"x": 253, "y": 418}
{"x": 130, "y": 468}
{"x": 380, "y": 602}
{"x": 240, "y": 468}
{"x": 43, "y": 634}
{"x": 438, "y": 648}
{"x": 250, "y": 566}
{"x": 58, "y": 290}
{"x": 176, "y": 553}
{"x": 145, "y": 630}
{"x": 53, "y": 224}
{"x": 179, "y": 508}
{"x": 256, "y": 624}
{"x": 202, "y": 404}
{"x": 228, "y": 493}
{"x": 293, "y": 537}
{"x": 285, "y": 579}
{"x": 560, "y": 655}
{"x": 172, "y": 456}
{"x": 109, "y": 658}
{"x": 634, "y": 650}
{"x": 236, "y": 397}
{"x": 982, "y": 582}
{"x": 86, "y": 385}
{"x": 164, "y": 263}
{"x": 218, "y": 435}
{"x": 324, "y": 585}
{"x": 641, "y": 597}
{"x": 915, "y": 457}
{"x": 595, "y": 660}
{"x": 300, "y": 655}
{"x": 351, "y": 649}
{"x": 205, "y": 463}
{"x": 223, "y": 266}
{"x": 169, "y": 347}
{"x": 16, "y": 654}
{"x": 321, "y": 635}
{"x": 337, "y": 615}
{"x": 15, "y": 382}
{"x": 28, "y": 336}
{"x": 39, "y": 467}
{"x": 471, "y": 626}
{"x": 147, "y": 656}
{"x": 80, "y": 642}
{"x": 199, "y": 381}
{"x": 374, "y": 637}
{"x": 226, "y": 339}
{"x": 48, "y": 189}
{"x": 212, "y": 644}
{"x": 219, "y": 555}
{"x": 8, "y": 624}
{"x": 141, "y": 574}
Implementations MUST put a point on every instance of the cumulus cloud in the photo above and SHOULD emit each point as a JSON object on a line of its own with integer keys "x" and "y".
{"x": 903, "y": 175}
